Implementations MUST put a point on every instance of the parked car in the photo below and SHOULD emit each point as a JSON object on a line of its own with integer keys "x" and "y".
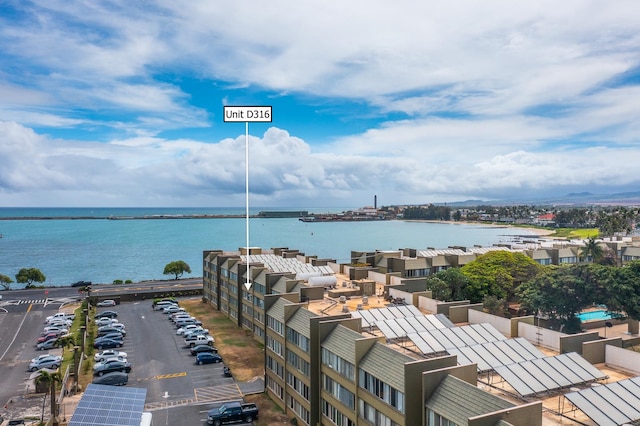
{"x": 184, "y": 322}
{"x": 105, "y": 321}
{"x": 192, "y": 341}
{"x": 197, "y": 349}
{"x": 61, "y": 315}
{"x": 111, "y": 365}
{"x": 50, "y": 363}
{"x": 107, "y": 314}
{"x": 172, "y": 310}
{"x": 190, "y": 329}
{"x": 102, "y": 343}
{"x": 46, "y": 345}
{"x": 115, "y": 335}
{"x": 115, "y": 378}
{"x": 54, "y": 329}
{"x": 163, "y": 304}
{"x": 179, "y": 317}
{"x": 104, "y": 330}
{"x": 45, "y": 356}
{"x": 59, "y": 322}
{"x": 105, "y": 303}
{"x": 49, "y": 336}
{"x": 208, "y": 358}
{"x": 232, "y": 412}
{"x": 108, "y": 353}
{"x": 201, "y": 332}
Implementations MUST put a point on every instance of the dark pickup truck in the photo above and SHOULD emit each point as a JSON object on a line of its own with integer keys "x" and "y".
{"x": 232, "y": 412}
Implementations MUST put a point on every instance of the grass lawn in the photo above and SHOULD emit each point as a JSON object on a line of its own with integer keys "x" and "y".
{"x": 241, "y": 353}
{"x": 573, "y": 233}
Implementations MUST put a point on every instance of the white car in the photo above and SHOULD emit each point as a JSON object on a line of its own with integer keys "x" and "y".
{"x": 105, "y": 321}
{"x": 52, "y": 328}
{"x": 106, "y": 303}
{"x": 109, "y": 353}
{"x": 59, "y": 323}
{"x": 189, "y": 328}
{"x": 60, "y": 315}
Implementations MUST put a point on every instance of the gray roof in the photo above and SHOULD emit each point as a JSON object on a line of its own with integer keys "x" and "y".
{"x": 386, "y": 364}
{"x": 341, "y": 342}
{"x": 300, "y": 320}
{"x": 457, "y": 401}
{"x": 277, "y": 310}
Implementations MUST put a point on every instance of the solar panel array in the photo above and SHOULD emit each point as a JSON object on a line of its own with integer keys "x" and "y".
{"x": 288, "y": 264}
{"x": 611, "y": 404}
{"x": 434, "y": 341}
{"x": 103, "y": 405}
{"x": 494, "y": 354}
{"x": 549, "y": 373}
{"x": 371, "y": 316}
{"x": 402, "y": 327}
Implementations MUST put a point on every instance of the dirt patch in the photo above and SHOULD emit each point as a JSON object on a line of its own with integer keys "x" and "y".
{"x": 241, "y": 353}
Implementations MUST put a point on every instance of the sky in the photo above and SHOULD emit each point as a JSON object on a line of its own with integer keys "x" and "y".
{"x": 120, "y": 103}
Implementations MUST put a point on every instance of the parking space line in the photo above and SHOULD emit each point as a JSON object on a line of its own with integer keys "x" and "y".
{"x": 162, "y": 376}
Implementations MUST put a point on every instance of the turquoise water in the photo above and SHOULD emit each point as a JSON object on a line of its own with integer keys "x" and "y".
{"x": 594, "y": 316}
{"x": 102, "y": 250}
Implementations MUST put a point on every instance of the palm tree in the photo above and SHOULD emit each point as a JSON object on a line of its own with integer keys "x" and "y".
{"x": 50, "y": 379}
{"x": 592, "y": 251}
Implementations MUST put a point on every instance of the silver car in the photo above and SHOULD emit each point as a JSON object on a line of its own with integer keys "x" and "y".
{"x": 50, "y": 363}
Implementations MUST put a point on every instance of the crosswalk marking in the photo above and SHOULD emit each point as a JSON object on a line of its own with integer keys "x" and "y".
{"x": 152, "y": 406}
{"x": 218, "y": 393}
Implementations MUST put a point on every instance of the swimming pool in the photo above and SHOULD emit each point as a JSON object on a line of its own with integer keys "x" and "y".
{"x": 594, "y": 315}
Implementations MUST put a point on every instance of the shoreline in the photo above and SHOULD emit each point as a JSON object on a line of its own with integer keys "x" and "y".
{"x": 537, "y": 231}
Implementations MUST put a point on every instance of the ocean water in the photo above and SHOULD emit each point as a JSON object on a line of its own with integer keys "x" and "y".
{"x": 101, "y": 250}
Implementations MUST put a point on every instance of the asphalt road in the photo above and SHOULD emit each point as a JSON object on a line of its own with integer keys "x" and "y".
{"x": 20, "y": 326}
{"x": 178, "y": 390}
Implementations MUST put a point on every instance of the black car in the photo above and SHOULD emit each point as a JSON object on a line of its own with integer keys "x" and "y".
{"x": 106, "y": 314}
{"x": 115, "y": 378}
{"x": 109, "y": 366}
{"x": 102, "y": 343}
{"x": 203, "y": 348}
{"x": 208, "y": 358}
{"x": 81, "y": 283}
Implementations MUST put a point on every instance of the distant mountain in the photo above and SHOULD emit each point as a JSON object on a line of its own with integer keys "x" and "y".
{"x": 571, "y": 199}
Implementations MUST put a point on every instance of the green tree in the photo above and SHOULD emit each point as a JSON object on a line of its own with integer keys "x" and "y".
{"x": 30, "y": 275}
{"x": 50, "y": 380}
{"x": 498, "y": 273}
{"x": 176, "y": 268}
{"x": 454, "y": 280}
{"x": 439, "y": 289}
{"x": 624, "y": 291}
{"x": 5, "y": 282}
{"x": 592, "y": 251}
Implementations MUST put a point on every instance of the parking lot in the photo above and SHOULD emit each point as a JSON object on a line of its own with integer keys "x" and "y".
{"x": 178, "y": 390}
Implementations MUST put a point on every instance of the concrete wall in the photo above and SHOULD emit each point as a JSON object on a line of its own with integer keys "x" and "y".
{"x": 521, "y": 415}
{"x": 378, "y": 277}
{"x": 506, "y": 326}
{"x": 573, "y": 342}
{"x": 540, "y": 336}
{"x": 428, "y": 304}
{"x": 595, "y": 351}
{"x": 458, "y": 314}
{"x": 399, "y": 294}
{"x": 623, "y": 359}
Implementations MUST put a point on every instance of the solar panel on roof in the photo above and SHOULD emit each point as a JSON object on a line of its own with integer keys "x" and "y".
{"x": 388, "y": 332}
{"x": 610, "y": 404}
{"x": 103, "y": 405}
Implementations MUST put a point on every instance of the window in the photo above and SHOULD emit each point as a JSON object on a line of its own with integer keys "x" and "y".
{"x": 382, "y": 390}
{"x": 299, "y": 409}
{"x": 274, "y": 345}
{"x": 298, "y": 339}
{"x": 298, "y": 385}
{"x": 259, "y": 288}
{"x": 336, "y": 416}
{"x": 275, "y": 366}
{"x": 275, "y": 387}
{"x": 343, "y": 367}
{"x": 339, "y": 392}
{"x": 373, "y": 416}
{"x": 436, "y": 419}
{"x": 298, "y": 362}
{"x": 275, "y": 325}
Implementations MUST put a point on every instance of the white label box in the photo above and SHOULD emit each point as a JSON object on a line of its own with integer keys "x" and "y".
{"x": 236, "y": 114}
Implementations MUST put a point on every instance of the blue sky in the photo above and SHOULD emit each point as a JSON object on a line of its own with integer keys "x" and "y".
{"x": 119, "y": 103}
